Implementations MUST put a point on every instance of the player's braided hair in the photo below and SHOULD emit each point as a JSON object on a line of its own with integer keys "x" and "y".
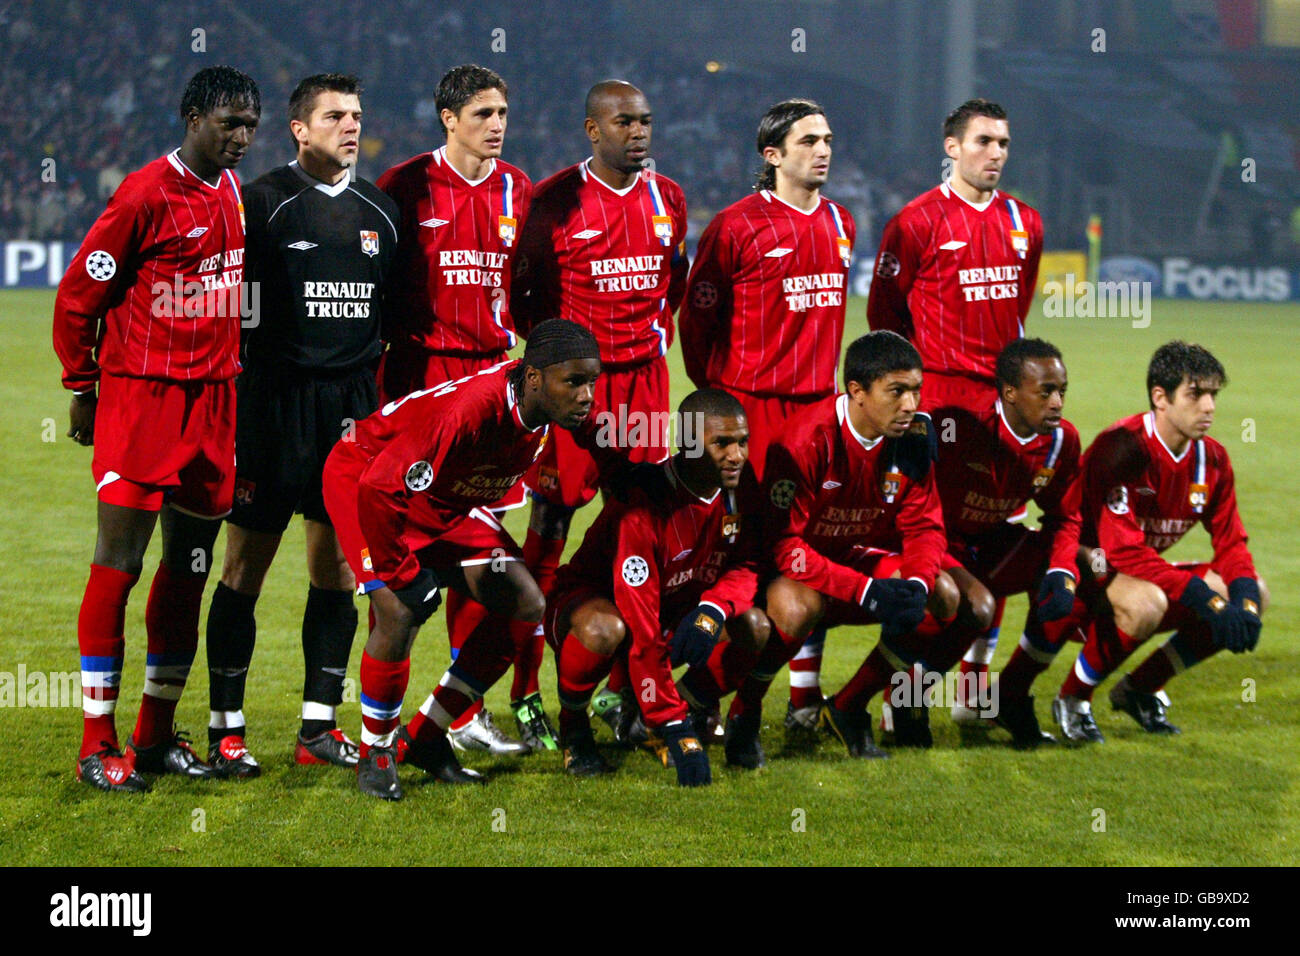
{"x": 956, "y": 122}
{"x": 1010, "y": 367}
{"x": 554, "y": 341}
{"x": 876, "y": 354}
{"x": 460, "y": 83}
{"x": 773, "y": 128}
{"x": 216, "y": 86}
{"x": 1178, "y": 360}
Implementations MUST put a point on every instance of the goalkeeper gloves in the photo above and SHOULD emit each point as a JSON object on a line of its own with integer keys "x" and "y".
{"x": 899, "y": 605}
{"x": 696, "y": 635}
{"x": 1244, "y": 593}
{"x": 689, "y": 758}
{"x": 1227, "y": 622}
{"x": 421, "y": 596}
{"x": 1055, "y": 596}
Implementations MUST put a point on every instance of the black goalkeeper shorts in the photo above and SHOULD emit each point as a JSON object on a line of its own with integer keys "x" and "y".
{"x": 286, "y": 424}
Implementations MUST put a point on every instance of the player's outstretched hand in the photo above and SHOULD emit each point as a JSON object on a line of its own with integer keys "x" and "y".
{"x": 1227, "y": 621}
{"x": 1055, "y": 596}
{"x": 689, "y": 758}
{"x": 1244, "y": 593}
{"x": 652, "y": 479}
{"x": 696, "y": 635}
{"x": 81, "y": 418}
{"x": 898, "y": 604}
{"x": 422, "y": 596}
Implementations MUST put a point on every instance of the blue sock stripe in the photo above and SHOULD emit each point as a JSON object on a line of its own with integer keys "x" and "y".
{"x": 170, "y": 659}
{"x": 1091, "y": 674}
{"x": 477, "y": 686}
{"x": 381, "y": 710}
{"x": 991, "y": 638}
{"x": 101, "y": 664}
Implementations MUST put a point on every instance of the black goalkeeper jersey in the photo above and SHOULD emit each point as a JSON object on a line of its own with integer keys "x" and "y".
{"x": 320, "y": 255}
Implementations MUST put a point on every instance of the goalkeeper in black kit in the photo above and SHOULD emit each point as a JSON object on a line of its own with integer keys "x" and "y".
{"x": 320, "y": 243}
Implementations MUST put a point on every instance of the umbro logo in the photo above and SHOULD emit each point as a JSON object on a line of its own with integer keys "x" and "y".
{"x": 587, "y": 234}
{"x": 484, "y": 467}
{"x": 976, "y": 466}
{"x": 434, "y": 223}
{"x": 683, "y": 555}
{"x": 952, "y": 246}
{"x": 196, "y": 232}
{"x": 302, "y": 245}
{"x": 1144, "y": 490}
{"x": 777, "y": 253}
{"x": 828, "y": 485}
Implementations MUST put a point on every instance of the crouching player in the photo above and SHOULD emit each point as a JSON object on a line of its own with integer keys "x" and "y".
{"x": 408, "y": 499}
{"x": 1146, "y": 481}
{"x": 665, "y": 581}
{"x": 992, "y": 461}
{"x": 855, "y": 530}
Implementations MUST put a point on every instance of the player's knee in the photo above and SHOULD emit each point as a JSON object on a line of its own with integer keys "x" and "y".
{"x": 601, "y": 633}
{"x": 752, "y": 628}
{"x": 1138, "y": 611}
{"x": 979, "y": 607}
{"x": 792, "y": 607}
{"x": 945, "y": 598}
{"x": 530, "y": 603}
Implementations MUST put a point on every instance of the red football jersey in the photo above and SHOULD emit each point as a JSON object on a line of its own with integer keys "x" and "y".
{"x": 832, "y": 495}
{"x": 450, "y": 285}
{"x": 987, "y": 472}
{"x": 658, "y": 561}
{"x": 1138, "y": 500}
{"x": 154, "y": 290}
{"x": 957, "y": 279}
{"x": 764, "y": 313}
{"x": 612, "y": 261}
{"x": 436, "y": 454}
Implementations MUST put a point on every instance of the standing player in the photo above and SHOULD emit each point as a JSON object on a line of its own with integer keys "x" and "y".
{"x": 1147, "y": 480}
{"x": 408, "y": 499}
{"x": 603, "y": 247}
{"x": 856, "y": 532}
{"x": 955, "y": 275}
{"x": 319, "y": 247}
{"x": 666, "y": 579}
{"x": 764, "y": 317}
{"x": 462, "y": 209}
{"x": 991, "y": 463}
{"x": 149, "y": 311}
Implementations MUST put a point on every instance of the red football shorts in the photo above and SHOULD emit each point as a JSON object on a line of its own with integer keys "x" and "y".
{"x": 476, "y": 538}
{"x": 159, "y": 441}
{"x": 766, "y": 416}
{"x": 946, "y": 389}
{"x": 407, "y": 369}
{"x": 635, "y": 399}
{"x": 1010, "y": 559}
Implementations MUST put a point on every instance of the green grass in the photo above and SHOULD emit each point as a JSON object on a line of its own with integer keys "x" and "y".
{"x": 1223, "y": 793}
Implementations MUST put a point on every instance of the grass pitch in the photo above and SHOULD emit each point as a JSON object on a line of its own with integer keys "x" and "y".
{"x": 1225, "y": 792}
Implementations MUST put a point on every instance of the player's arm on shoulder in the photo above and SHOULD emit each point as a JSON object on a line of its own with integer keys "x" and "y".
{"x": 891, "y": 280}
{"x": 921, "y": 516}
{"x": 679, "y": 263}
{"x": 535, "y": 284}
{"x": 1029, "y": 275}
{"x": 707, "y": 304}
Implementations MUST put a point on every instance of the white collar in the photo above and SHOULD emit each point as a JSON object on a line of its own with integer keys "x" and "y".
{"x": 769, "y": 194}
{"x": 589, "y": 175}
{"x": 978, "y": 207}
{"x": 1011, "y": 431}
{"x": 842, "y": 412}
{"x": 174, "y": 157}
{"x": 440, "y": 156}
{"x": 1149, "y": 421}
{"x": 329, "y": 190}
{"x": 677, "y": 480}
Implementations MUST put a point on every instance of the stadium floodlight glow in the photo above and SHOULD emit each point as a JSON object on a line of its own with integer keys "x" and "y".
{"x": 713, "y": 66}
